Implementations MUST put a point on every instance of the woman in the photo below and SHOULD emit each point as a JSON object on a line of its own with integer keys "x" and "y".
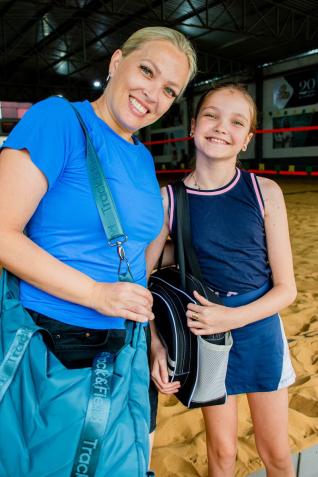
{"x": 69, "y": 274}
{"x": 240, "y": 234}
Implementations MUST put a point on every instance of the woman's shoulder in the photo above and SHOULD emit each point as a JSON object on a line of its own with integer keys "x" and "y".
{"x": 52, "y": 108}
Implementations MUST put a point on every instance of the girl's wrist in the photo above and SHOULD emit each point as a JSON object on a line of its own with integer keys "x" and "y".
{"x": 239, "y": 317}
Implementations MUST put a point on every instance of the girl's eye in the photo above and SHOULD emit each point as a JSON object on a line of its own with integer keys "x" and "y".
{"x": 171, "y": 92}
{"x": 210, "y": 115}
{"x": 146, "y": 71}
{"x": 238, "y": 123}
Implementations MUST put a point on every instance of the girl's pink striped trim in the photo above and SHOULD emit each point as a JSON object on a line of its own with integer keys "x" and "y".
{"x": 220, "y": 191}
{"x": 260, "y": 203}
{"x": 171, "y": 212}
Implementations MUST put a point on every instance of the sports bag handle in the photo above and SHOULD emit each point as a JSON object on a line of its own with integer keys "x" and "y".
{"x": 187, "y": 259}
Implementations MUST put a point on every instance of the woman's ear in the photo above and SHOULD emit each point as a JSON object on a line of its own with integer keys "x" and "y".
{"x": 115, "y": 60}
{"x": 192, "y": 129}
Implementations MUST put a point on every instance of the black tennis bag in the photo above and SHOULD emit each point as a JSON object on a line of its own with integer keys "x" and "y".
{"x": 198, "y": 362}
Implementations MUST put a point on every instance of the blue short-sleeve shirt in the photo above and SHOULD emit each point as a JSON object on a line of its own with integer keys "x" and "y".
{"x": 66, "y": 223}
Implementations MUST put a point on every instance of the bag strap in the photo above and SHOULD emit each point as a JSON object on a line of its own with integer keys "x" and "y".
{"x": 96, "y": 418}
{"x": 22, "y": 338}
{"x": 13, "y": 357}
{"x": 105, "y": 203}
{"x": 186, "y": 256}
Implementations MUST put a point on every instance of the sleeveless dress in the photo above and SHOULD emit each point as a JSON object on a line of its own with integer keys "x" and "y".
{"x": 228, "y": 236}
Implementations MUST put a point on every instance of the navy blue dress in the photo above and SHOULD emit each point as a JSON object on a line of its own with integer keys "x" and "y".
{"x": 228, "y": 235}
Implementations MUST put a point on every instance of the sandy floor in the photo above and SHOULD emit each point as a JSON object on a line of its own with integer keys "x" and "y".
{"x": 179, "y": 449}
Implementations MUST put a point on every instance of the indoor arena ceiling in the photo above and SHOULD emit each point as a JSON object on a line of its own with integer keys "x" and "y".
{"x": 58, "y": 46}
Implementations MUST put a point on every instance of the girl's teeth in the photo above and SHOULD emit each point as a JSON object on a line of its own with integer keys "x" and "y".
{"x": 137, "y": 105}
{"x": 218, "y": 141}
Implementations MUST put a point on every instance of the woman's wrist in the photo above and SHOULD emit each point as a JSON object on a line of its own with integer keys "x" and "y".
{"x": 94, "y": 294}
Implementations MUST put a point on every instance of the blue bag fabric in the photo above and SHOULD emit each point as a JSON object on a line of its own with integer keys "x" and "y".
{"x": 43, "y": 404}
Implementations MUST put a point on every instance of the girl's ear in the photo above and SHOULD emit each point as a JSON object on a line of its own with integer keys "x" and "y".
{"x": 247, "y": 141}
{"x": 115, "y": 60}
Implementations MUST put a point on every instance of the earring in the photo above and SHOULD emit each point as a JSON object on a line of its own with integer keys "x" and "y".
{"x": 244, "y": 148}
{"x": 191, "y": 134}
{"x": 108, "y": 77}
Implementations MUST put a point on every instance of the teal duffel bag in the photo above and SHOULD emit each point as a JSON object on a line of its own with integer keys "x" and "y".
{"x": 43, "y": 405}
{"x": 59, "y": 422}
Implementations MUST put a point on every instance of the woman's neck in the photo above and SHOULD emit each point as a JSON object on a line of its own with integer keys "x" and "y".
{"x": 101, "y": 110}
{"x": 212, "y": 175}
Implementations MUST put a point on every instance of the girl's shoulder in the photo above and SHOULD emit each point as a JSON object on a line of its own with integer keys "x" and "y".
{"x": 271, "y": 192}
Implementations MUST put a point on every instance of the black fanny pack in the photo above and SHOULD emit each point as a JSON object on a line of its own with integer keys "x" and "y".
{"x": 198, "y": 362}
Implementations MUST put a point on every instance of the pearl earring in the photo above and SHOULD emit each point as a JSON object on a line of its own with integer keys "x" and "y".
{"x": 108, "y": 77}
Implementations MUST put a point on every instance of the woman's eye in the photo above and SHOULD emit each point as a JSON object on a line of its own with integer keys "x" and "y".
{"x": 147, "y": 71}
{"x": 171, "y": 92}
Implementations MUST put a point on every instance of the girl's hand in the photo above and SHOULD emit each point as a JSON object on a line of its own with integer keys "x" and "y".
{"x": 209, "y": 318}
{"x": 124, "y": 299}
{"x": 159, "y": 369}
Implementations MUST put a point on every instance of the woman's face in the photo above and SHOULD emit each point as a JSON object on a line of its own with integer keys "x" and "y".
{"x": 222, "y": 128}
{"x": 143, "y": 85}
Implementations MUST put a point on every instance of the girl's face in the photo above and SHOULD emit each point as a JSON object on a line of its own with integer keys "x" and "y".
{"x": 144, "y": 85}
{"x": 222, "y": 128}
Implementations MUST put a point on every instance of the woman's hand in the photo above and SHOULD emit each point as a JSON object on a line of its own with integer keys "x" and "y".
{"x": 123, "y": 299}
{"x": 209, "y": 318}
{"x": 159, "y": 369}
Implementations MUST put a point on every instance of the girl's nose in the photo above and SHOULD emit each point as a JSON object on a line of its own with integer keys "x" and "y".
{"x": 220, "y": 127}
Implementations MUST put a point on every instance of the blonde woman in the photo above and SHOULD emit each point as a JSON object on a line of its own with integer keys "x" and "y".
{"x": 68, "y": 274}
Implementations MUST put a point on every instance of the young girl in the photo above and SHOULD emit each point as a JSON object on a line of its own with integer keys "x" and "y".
{"x": 240, "y": 234}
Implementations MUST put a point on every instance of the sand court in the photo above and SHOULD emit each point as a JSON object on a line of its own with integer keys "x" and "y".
{"x": 179, "y": 449}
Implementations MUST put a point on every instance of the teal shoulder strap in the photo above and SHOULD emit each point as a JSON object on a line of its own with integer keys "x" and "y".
{"x": 105, "y": 204}
{"x": 96, "y": 419}
{"x": 102, "y": 194}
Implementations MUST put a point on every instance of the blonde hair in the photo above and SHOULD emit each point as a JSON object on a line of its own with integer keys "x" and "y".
{"x": 137, "y": 39}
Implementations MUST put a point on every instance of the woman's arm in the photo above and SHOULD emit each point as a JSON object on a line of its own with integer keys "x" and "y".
{"x": 154, "y": 250}
{"x": 215, "y": 318}
{"x": 159, "y": 368}
{"x": 22, "y": 186}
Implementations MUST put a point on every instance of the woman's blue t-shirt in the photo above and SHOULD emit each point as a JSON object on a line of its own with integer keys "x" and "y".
{"x": 66, "y": 223}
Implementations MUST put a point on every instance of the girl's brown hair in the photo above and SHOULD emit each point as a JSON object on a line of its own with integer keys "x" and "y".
{"x": 232, "y": 86}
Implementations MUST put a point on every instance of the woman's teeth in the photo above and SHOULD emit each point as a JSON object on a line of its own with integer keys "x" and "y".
{"x": 138, "y": 106}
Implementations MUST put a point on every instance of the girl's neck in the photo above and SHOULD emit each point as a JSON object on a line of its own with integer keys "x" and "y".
{"x": 209, "y": 176}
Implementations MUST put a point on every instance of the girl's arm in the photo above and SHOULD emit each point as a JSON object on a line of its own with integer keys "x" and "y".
{"x": 22, "y": 186}
{"x": 215, "y": 318}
